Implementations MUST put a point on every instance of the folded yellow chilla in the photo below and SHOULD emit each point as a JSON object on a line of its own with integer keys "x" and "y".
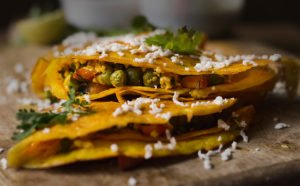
{"x": 125, "y": 65}
{"x": 112, "y": 131}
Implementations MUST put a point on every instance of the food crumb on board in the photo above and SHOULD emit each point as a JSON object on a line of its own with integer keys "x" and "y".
{"x": 1, "y": 150}
{"x": 132, "y": 181}
{"x": 3, "y": 163}
{"x": 281, "y": 126}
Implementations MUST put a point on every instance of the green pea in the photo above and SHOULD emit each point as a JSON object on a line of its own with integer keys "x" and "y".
{"x": 150, "y": 79}
{"x": 118, "y": 78}
{"x": 104, "y": 78}
{"x": 134, "y": 76}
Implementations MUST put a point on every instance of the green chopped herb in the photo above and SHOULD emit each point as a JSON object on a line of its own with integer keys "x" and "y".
{"x": 30, "y": 120}
{"x": 183, "y": 42}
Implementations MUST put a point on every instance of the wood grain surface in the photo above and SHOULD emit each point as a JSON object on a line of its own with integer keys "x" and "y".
{"x": 276, "y": 163}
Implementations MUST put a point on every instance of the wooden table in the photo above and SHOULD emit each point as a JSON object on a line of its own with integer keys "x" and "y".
{"x": 277, "y": 162}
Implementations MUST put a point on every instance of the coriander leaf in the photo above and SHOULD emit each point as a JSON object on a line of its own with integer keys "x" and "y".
{"x": 32, "y": 121}
{"x": 185, "y": 41}
{"x": 141, "y": 24}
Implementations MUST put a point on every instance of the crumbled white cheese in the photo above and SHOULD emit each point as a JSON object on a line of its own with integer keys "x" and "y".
{"x": 148, "y": 151}
{"x": 219, "y": 138}
{"x": 1, "y": 150}
{"x": 132, "y": 181}
{"x": 170, "y": 146}
{"x": 244, "y": 136}
{"x": 226, "y": 154}
{"x": 114, "y": 148}
{"x": 158, "y": 145}
{"x": 154, "y": 109}
{"x": 234, "y": 145}
{"x": 243, "y": 124}
{"x": 279, "y": 88}
{"x": 281, "y": 126}
{"x": 223, "y": 124}
{"x": 120, "y": 53}
{"x": 219, "y": 100}
{"x": 175, "y": 100}
{"x": 75, "y": 117}
{"x": 13, "y": 86}
{"x": 46, "y": 130}
{"x": 3, "y": 163}
{"x": 207, "y": 164}
{"x": 135, "y": 106}
{"x": 166, "y": 115}
{"x": 257, "y": 149}
{"x": 19, "y": 68}
{"x": 275, "y": 57}
{"x": 86, "y": 97}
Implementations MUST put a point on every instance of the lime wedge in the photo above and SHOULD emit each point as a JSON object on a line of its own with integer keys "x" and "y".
{"x": 45, "y": 29}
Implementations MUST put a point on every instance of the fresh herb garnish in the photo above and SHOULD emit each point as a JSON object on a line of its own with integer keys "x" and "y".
{"x": 185, "y": 41}
{"x": 30, "y": 120}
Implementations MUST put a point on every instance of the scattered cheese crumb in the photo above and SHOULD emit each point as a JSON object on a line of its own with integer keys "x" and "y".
{"x": 86, "y": 97}
{"x": 148, "y": 151}
{"x": 114, "y": 148}
{"x": 243, "y": 124}
{"x": 275, "y": 57}
{"x": 226, "y": 154}
{"x": 1, "y": 150}
{"x": 220, "y": 138}
{"x": 175, "y": 100}
{"x": 244, "y": 136}
{"x": 281, "y": 126}
{"x": 219, "y": 100}
{"x": 132, "y": 181}
{"x": 234, "y": 145}
{"x": 46, "y": 130}
{"x": 257, "y": 149}
{"x": 19, "y": 68}
{"x": 3, "y": 163}
{"x": 223, "y": 124}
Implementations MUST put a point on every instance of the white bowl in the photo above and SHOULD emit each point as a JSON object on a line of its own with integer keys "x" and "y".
{"x": 100, "y": 14}
{"x": 211, "y": 16}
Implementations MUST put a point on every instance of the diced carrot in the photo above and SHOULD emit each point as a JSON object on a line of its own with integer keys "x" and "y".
{"x": 194, "y": 82}
{"x": 84, "y": 73}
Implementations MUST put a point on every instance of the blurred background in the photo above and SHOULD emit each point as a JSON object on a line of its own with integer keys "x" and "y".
{"x": 272, "y": 22}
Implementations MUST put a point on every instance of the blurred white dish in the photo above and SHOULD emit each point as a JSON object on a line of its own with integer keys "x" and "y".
{"x": 211, "y": 16}
{"x": 100, "y": 14}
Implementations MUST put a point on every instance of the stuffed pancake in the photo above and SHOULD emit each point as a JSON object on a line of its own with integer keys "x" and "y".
{"x": 144, "y": 95}
{"x": 133, "y": 65}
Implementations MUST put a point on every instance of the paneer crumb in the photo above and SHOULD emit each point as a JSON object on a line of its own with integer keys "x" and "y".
{"x": 132, "y": 181}
{"x": 114, "y": 148}
{"x": 3, "y": 163}
{"x": 281, "y": 126}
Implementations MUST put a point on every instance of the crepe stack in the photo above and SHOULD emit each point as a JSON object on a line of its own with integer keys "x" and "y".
{"x": 147, "y": 101}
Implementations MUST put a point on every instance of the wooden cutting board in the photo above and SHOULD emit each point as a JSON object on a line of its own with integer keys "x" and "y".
{"x": 276, "y": 163}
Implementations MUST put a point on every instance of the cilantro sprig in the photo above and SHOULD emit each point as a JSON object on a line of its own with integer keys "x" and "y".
{"x": 31, "y": 120}
{"x": 184, "y": 41}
